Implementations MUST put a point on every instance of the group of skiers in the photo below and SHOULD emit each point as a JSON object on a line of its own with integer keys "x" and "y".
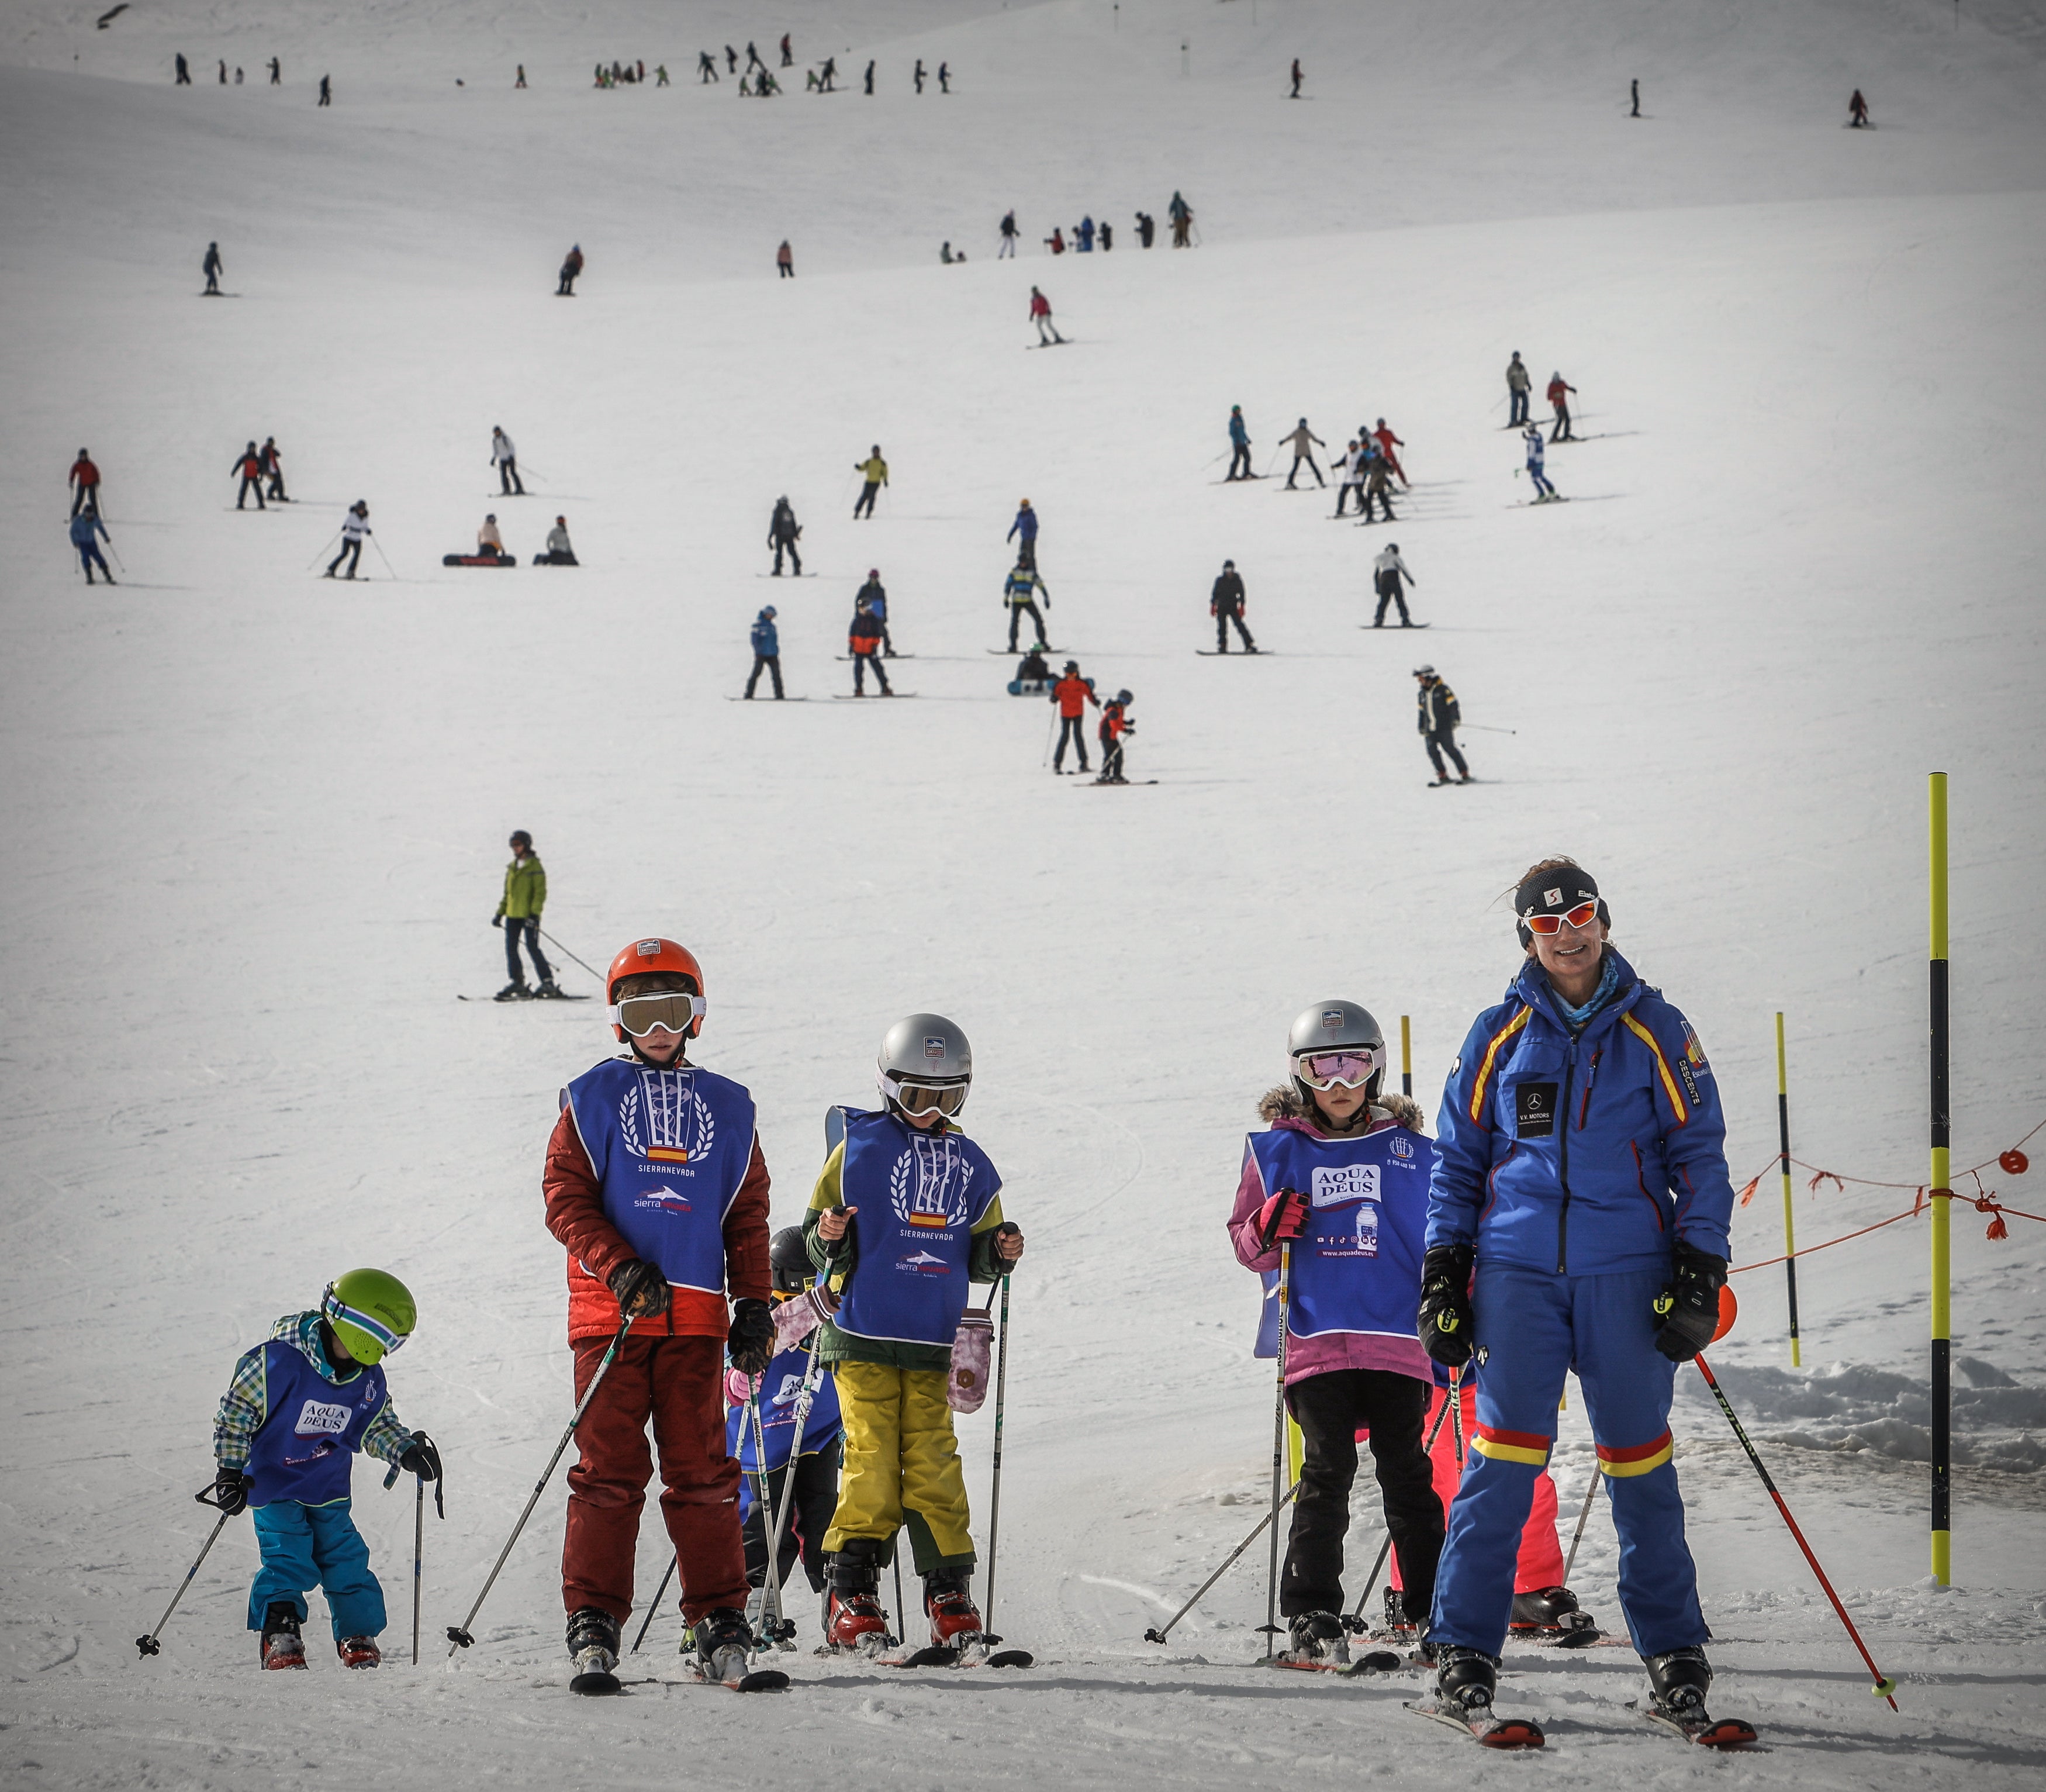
{"x": 261, "y": 471}
{"x": 1365, "y": 470}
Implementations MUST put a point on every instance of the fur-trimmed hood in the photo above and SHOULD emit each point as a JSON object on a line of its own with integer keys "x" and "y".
{"x": 1283, "y": 1107}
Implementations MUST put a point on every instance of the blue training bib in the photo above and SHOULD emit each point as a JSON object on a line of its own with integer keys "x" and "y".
{"x": 1357, "y": 1265}
{"x": 305, "y": 1449}
{"x": 780, "y": 1389}
{"x": 920, "y": 1195}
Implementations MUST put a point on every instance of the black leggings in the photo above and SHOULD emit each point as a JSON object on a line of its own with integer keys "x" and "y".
{"x": 1223, "y": 619}
{"x": 251, "y": 482}
{"x": 1330, "y": 1410}
{"x": 1071, "y": 728}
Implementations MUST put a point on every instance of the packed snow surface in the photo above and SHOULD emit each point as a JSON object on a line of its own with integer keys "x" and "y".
{"x": 254, "y": 820}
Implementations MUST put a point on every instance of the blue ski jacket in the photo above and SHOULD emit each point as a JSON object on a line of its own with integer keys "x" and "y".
{"x": 766, "y": 640}
{"x": 1583, "y": 1156}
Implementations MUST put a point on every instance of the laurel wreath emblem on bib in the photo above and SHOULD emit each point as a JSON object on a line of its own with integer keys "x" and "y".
{"x": 927, "y": 1187}
{"x": 677, "y": 1122}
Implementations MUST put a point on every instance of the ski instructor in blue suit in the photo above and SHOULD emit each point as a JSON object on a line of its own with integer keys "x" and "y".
{"x": 1577, "y": 1219}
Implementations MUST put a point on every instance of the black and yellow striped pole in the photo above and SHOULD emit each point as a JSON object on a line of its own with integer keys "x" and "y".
{"x": 1406, "y": 1056}
{"x": 1789, "y": 1215}
{"x": 1942, "y": 1197}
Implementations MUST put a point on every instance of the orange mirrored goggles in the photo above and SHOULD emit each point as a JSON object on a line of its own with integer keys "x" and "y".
{"x": 1583, "y": 915}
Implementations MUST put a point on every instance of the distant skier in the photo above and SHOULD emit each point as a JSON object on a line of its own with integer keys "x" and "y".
{"x": 1040, "y": 314}
{"x": 1056, "y": 242}
{"x": 1543, "y": 490}
{"x": 354, "y": 526}
{"x": 1147, "y": 228}
{"x": 1857, "y": 110}
{"x": 1019, "y": 593}
{"x": 1023, "y": 531}
{"x": 1107, "y": 234}
{"x": 84, "y": 483}
{"x": 1182, "y": 215}
{"x": 944, "y": 77}
{"x": 223, "y": 71}
{"x": 184, "y": 71}
{"x": 1386, "y": 442}
{"x": 1227, "y": 603}
{"x": 827, "y": 75}
{"x": 506, "y": 458}
{"x": 570, "y": 268}
{"x": 875, "y": 595}
{"x": 1116, "y": 726}
{"x": 920, "y": 75}
{"x": 875, "y": 471}
{"x": 661, "y": 76}
{"x": 1239, "y": 443}
{"x": 1083, "y": 235}
{"x": 870, "y": 78}
{"x": 273, "y": 468}
{"x": 1438, "y": 716}
{"x": 519, "y": 79}
{"x": 558, "y": 552}
{"x": 788, "y": 55}
{"x": 87, "y": 533}
{"x": 1073, "y": 694}
{"x": 518, "y": 914}
{"x": 1519, "y": 382}
{"x": 706, "y": 68}
{"x": 1388, "y": 572}
{"x": 766, "y": 652}
{"x": 752, "y": 58}
{"x": 864, "y": 640}
{"x": 785, "y": 260}
{"x": 783, "y": 532}
{"x": 1377, "y": 480}
{"x": 249, "y": 463}
{"x": 1559, "y": 401}
{"x": 212, "y": 267}
{"x": 1304, "y": 442}
{"x": 326, "y": 90}
{"x": 1635, "y": 88}
{"x": 276, "y": 72}
{"x": 1351, "y": 485}
{"x": 1297, "y": 78}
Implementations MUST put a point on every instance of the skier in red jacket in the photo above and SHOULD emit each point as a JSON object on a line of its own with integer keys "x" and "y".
{"x": 1040, "y": 314}
{"x": 249, "y": 463}
{"x": 84, "y": 480}
{"x": 1559, "y": 401}
{"x": 1386, "y": 442}
{"x": 1073, "y": 694}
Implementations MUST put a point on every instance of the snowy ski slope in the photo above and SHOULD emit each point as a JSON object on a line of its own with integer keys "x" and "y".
{"x": 255, "y": 821}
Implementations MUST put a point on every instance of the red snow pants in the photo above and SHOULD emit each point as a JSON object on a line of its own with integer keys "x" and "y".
{"x": 1540, "y": 1563}
{"x": 677, "y": 1383}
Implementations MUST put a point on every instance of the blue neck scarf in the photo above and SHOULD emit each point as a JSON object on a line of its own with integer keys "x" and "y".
{"x": 1574, "y": 1018}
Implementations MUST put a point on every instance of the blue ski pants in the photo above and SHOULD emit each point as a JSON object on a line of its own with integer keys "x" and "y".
{"x": 308, "y": 1546}
{"x": 1531, "y": 1328}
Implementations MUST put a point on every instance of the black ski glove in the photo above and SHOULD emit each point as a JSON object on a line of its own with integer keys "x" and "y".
{"x": 230, "y": 1491}
{"x": 1687, "y": 1309}
{"x": 497, "y": 920}
{"x": 751, "y": 1339}
{"x": 641, "y": 1288}
{"x": 422, "y": 1458}
{"x": 1446, "y": 1325}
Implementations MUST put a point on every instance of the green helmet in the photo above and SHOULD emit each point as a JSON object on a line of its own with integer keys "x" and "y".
{"x": 371, "y": 1310}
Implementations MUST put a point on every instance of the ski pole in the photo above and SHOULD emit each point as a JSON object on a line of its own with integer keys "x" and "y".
{"x": 1427, "y": 1444}
{"x": 566, "y": 953}
{"x": 315, "y": 560}
{"x": 1583, "y": 1512}
{"x": 147, "y": 1644}
{"x": 458, "y": 1635}
{"x": 1486, "y": 727}
{"x": 1278, "y": 1460}
{"x": 994, "y": 1495}
{"x": 901, "y": 1618}
{"x": 771, "y": 1609}
{"x": 381, "y": 555}
{"x": 1256, "y": 1531}
{"x": 659, "y": 1593}
{"x": 805, "y": 1394}
{"x": 1885, "y": 1688}
{"x": 419, "y": 1559}
{"x": 1457, "y": 1413}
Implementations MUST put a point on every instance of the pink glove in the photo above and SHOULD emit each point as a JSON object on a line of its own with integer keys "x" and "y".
{"x": 1285, "y": 1216}
{"x": 738, "y": 1388}
{"x": 966, "y": 1387}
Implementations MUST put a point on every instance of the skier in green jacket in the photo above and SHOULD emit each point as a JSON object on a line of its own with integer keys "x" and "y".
{"x": 518, "y": 914}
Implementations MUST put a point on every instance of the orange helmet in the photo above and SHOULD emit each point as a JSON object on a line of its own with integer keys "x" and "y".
{"x": 645, "y": 956}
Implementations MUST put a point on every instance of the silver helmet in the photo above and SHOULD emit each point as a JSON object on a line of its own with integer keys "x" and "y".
{"x": 925, "y": 1062}
{"x": 1336, "y": 1029}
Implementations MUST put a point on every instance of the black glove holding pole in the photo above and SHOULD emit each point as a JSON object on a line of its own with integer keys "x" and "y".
{"x": 1687, "y": 1309}
{"x": 230, "y": 1492}
{"x": 751, "y": 1339}
{"x": 640, "y": 1288}
{"x": 1447, "y": 1327}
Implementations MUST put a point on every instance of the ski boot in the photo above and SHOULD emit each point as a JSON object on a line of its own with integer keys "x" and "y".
{"x": 514, "y": 991}
{"x": 1400, "y": 1627}
{"x": 777, "y": 1631}
{"x": 1678, "y": 1680}
{"x": 1552, "y": 1613}
{"x": 283, "y": 1647}
{"x": 358, "y": 1652}
{"x": 1316, "y": 1637}
{"x": 723, "y": 1645}
{"x": 855, "y": 1624}
{"x": 546, "y": 989}
{"x": 593, "y": 1641}
{"x": 948, "y": 1604}
{"x": 1465, "y": 1679}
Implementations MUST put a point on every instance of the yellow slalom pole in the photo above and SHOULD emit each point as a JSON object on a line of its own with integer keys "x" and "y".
{"x": 1406, "y": 1056}
{"x": 1942, "y": 1198}
{"x": 1790, "y": 1215}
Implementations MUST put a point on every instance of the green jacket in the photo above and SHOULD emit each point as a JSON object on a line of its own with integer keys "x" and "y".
{"x": 525, "y": 889}
{"x": 835, "y": 1346}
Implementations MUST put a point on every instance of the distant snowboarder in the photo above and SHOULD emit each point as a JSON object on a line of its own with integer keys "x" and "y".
{"x": 1019, "y": 593}
{"x": 184, "y": 71}
{"x": 785, "y": 260}
{"x": 559, "y": 551}
{"x": 706, "y": 68}
{"x": 1023, "y": 531}
{"x": 1227, "y": 603}
{"x": 1635, "y": 86}
{"x": 870, "y": 78}
{"x": 570, "y": 268}
{"x": 1857, "y": 111}
{"x": 1543, "y": 490}
{"x": 766, "y": 652}
{"x": 1519, "y": 382}
{"x": 1297, "y": 78}
{"x": 874, "y": 595}
{"x": 944, "y": 77}
{"x": 1438, "y": 716}
{"x": 1559, "y": 400}
{"x": 920, "y": 75}
{"x": 276, "y": 73}
{"x": 1305, "y": 442}
{"x": 506, "y": 458}
{"x": 326, "y": 90}
{"x": 1040, "y": 314}
{"x": 1107, "y": 234}
{"x": 249, "y": 464}
{"x": 788, "y": 55}
{"x": 1083, "y": 235}
{"x": 354, "y": 526}
{"x": 875, "y": 471}
{"x": 783, "y": 531}
{"x": 1387, "y": 572}
{"x": 84, "y": 483}
{"x": 212, "y": 267}
{"x": 518, "y": 80}
{"x": 1239, "y": 443}
{"x": 86, "y": 532}
{"x": 1147, "y": 228}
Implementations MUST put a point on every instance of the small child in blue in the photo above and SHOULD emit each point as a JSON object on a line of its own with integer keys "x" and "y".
{"x": 300, "y": 1407}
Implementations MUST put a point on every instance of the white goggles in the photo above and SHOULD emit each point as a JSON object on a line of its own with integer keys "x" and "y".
{"x": 1345, "y": 1067}
{"x": 921, "y": 1098}
{"x": 640, "y": 1014}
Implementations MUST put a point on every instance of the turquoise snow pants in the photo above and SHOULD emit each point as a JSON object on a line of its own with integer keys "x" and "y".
{"x": 308, "y": 1546}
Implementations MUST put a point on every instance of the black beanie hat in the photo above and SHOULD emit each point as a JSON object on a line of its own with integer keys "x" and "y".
{"x": 1554, "y": 891}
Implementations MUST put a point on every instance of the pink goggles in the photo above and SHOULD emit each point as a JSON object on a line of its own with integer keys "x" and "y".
{"x": 1350, "y": 1068}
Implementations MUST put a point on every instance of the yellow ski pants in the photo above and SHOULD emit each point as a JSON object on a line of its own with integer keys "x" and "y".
{"x": 901, "y": 1465}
